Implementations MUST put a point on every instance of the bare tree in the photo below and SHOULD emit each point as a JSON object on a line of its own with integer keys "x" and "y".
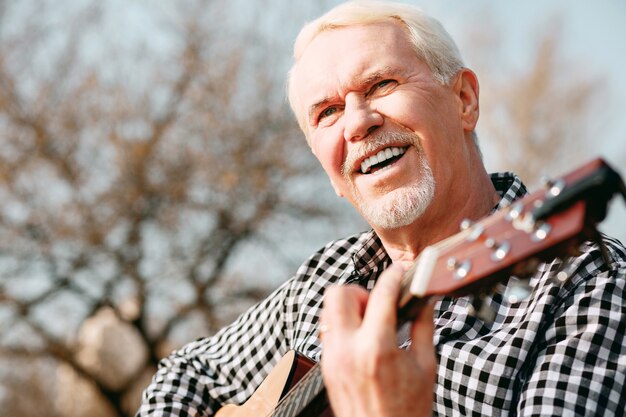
{"x": 125, "y": 197}
{"x": 538, "y": 120}
{"x": 132, "y": 182}
{"x": 24, "y": 388}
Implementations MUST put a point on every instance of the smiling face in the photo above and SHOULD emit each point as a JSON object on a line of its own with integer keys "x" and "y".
{"x": 394, "y": 206}
{"x": 384, "y": 129}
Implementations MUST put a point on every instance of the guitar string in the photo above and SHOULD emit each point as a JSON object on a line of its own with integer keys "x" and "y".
{"x": 303, "y": 389}
{"x": 315, "y": 370}
{"x": 445, "y": 244}
{"x": 284, "y": 406}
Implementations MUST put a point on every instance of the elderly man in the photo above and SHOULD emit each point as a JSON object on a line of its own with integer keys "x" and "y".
{"x": 382, "y": 96}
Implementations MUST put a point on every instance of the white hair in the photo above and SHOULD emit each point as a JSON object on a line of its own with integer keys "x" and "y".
{"x": 430, "y": 40}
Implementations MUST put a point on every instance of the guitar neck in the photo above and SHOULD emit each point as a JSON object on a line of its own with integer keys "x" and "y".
{"x": 549, "y": 223}
{"x": 546, "y": 224}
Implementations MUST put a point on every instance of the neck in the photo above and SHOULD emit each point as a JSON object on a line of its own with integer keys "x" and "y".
{"x": 469, "y": 200}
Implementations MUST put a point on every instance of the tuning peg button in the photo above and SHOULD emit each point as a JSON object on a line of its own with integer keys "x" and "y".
{"x": 553, "y": 187}
{"x": 461, "y": 269}
{"x": 540, "y": 232}
{"x": 466, "y": 224}
{"x": 499, "y": 249}
{"x": 514, "y": 211}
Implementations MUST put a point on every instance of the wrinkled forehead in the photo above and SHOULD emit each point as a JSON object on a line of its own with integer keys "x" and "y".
{"x": 345, "y": 57}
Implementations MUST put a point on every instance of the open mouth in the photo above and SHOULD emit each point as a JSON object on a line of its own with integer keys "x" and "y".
{"x": 382, "y": 159}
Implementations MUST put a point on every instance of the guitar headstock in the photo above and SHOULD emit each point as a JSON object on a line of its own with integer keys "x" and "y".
{"x": 549, "y": 223}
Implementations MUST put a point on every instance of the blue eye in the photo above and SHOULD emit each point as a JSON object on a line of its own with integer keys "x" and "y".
{"x": 382, "y": 85}
{"x": 328, "y": 112}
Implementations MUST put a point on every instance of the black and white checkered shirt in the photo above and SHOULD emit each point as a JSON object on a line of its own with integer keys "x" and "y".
{"x": 562, "y": 352}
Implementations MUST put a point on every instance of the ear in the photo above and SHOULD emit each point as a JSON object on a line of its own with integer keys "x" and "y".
{"x": 466, "y": 88}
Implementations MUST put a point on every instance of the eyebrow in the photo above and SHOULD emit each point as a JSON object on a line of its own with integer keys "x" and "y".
{"x": 359, "y": 83}
{"x": 313, "y": 109}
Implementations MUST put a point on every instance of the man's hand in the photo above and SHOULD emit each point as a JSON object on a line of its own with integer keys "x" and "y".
{"x": 365, "y": 373}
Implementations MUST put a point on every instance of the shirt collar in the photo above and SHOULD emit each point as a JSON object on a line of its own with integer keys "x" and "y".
{"x": 370, "y": 257}
{"x": 509, "y": 186}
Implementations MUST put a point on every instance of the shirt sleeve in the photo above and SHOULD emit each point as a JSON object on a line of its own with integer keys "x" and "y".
{"x": 200, "y": 378}
{"x": 228, "y": 367}
{"x": 580, "y": 367}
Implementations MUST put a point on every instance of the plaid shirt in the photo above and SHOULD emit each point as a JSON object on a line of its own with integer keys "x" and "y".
{"x": 562, "y": 352}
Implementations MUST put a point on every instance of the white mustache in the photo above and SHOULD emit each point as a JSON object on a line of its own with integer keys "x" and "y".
{"x": 375, "y": 143}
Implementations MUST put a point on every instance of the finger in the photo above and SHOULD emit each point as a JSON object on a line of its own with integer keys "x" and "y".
{"x": 382, "y": 307}
{"x": 343, "y": 307}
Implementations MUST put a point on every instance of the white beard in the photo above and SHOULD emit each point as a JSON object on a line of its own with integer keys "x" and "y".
{"x": 402, "y": 206}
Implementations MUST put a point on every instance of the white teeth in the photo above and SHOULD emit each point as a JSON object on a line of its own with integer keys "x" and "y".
{"x": 381, "y": 156}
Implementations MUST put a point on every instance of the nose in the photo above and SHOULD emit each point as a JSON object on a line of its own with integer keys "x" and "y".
{"x": 360, "y": 118}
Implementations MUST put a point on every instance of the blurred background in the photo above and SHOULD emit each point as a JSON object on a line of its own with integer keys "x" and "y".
{"x": 153, "y": 183}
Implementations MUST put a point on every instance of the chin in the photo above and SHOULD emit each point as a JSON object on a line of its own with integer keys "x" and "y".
{"x": 400, "y": 207}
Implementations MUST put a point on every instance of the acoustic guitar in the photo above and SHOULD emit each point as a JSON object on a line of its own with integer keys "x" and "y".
{"x": 550, "y": 223}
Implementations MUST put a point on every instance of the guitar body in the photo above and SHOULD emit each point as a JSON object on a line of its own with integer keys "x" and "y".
{"x": 287, "y": 372}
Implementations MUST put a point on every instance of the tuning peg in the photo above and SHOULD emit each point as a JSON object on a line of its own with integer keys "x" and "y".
{"x": 517, "y": 290}
{"x": 465, "y": 224}
{"x": 475, "y": 230}
{"x": 482, "y": 310}
{"x": 514, "y": 211}
{"x": 499, "y": 250}
{"x": 553, "y": 187}
{"x": 540, "y": 231}
{"x": 460, "y": 268}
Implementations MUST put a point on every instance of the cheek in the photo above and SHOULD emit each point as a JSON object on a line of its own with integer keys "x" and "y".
{"x": 330, "y": 151}
{"x": 403, "y": 110}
